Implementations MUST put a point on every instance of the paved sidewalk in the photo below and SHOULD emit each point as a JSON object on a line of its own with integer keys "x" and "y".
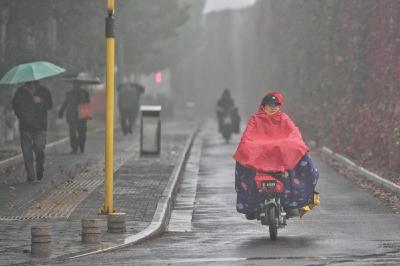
{"x": 72, "y": 189}
{"x": 60, "y": 167}
{"x": 12, "y": 148}
{"x": 57, "y": 141}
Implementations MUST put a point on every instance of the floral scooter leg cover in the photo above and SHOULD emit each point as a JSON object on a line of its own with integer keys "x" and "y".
{"x": 247, "y": 196}
{"x": 299, "y": 186}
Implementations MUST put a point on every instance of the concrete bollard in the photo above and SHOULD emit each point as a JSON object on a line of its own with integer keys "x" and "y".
{"x": 41, "y": 240}
{"x": 116, "y": 222}
{"x": 91, "y": 231}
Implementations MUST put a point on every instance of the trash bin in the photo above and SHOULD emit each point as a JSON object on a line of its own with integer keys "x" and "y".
{"x": 150, "y": 129}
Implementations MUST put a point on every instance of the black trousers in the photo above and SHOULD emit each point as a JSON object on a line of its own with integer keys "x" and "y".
{"x": 33, "y": 142}
{"x": 77, "y": 135}
{"x": 127, "y": 118}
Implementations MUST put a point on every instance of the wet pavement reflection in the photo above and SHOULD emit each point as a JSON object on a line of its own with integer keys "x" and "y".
{"x": 350, "y": 227}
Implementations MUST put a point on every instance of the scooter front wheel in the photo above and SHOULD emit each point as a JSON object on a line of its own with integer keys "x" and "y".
{"x": 272, "y": 222}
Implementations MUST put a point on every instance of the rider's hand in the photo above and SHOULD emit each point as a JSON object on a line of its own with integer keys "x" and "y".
{"x": 286, "y": 174}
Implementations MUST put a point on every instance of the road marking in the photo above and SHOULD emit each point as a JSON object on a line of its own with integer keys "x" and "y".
{"x": 181, "y": 215}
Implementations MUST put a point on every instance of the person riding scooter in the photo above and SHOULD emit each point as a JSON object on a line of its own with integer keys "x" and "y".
{"x": 272, "y": 143}
{"x": 227, "y": 114}
{"x": 224, "y": 106}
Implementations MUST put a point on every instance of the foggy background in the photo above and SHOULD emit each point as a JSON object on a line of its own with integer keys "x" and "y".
{"x": 336, "y": 62}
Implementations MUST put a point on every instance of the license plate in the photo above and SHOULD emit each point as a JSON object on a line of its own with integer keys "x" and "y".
{"x": 269, "y": 184}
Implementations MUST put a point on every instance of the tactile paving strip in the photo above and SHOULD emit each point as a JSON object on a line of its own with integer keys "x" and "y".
{"x": 61, "y": 202}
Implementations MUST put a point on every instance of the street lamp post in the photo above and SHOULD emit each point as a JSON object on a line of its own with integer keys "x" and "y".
{"x": 109, "y": 139}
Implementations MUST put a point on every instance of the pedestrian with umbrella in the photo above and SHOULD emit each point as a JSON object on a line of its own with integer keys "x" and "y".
{"x": 78, "y": 111}
{"x": 31, "y": 103}
{"x": 128, "y": 103}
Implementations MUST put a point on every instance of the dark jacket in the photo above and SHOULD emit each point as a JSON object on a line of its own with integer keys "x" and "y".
{"x": 72, "y": 99}
{"x": 128, "y": 99}
{"x": 31, "y": 115}
{"x": 225, "y": 103}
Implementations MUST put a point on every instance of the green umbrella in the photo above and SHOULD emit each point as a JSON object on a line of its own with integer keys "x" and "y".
{"x": 31, "y": 71}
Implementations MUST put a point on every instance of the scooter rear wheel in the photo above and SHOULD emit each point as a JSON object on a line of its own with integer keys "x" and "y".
{"x": 227, "y": 135}
{"x": 272, "y": 222}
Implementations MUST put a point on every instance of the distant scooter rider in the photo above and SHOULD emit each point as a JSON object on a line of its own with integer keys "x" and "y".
{"x": 224, "y": 106}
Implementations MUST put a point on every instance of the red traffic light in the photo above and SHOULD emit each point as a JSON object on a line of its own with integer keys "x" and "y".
{"x": 158, "y": 77}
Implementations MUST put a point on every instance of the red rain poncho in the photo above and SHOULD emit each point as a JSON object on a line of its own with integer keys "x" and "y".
{"x": 270, "y": 143}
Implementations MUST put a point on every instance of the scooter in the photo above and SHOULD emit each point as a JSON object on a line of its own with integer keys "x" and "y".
{"x": 271, "y": 211}
{"x": 226, "y": 127}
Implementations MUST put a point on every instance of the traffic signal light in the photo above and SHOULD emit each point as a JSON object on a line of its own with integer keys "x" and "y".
{"x": 158, "y": 77}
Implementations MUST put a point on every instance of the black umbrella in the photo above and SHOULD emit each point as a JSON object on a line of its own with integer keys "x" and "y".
{"x": 140, "y": 88}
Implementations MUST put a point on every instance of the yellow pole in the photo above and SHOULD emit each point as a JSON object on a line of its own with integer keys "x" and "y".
{"x": 110, "y": 79}
{"x": 111, "y": 7}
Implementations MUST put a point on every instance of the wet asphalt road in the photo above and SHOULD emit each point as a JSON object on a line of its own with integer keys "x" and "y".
{"x": 350, "y": 227}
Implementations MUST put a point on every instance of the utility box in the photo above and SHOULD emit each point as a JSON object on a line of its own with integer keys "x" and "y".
{"x": 150, "y": 129}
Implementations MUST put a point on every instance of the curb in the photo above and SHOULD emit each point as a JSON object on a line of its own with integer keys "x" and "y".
{"x": 380, "y": 181}
{"x": 163, "y": 210}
